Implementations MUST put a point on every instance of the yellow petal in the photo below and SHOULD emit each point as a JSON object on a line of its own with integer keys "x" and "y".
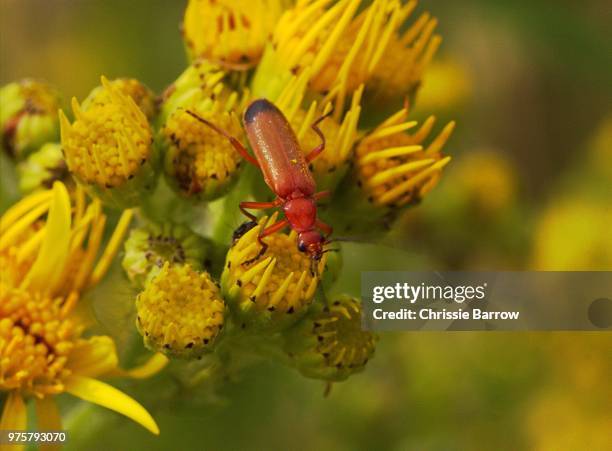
{"x": 107, "y": 396}
{"x": 14, "y": 417}
{"x": 151, "y": 367}
{"x": 52, "y": 255}
{"x": 93, "y": 357}
{"x": 49, "y": 419}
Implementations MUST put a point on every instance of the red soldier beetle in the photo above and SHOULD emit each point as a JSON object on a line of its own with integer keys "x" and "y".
{"x": 285, "y": 170}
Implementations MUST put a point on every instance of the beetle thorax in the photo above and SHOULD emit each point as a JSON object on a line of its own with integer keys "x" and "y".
{"x": 301, "y": 213}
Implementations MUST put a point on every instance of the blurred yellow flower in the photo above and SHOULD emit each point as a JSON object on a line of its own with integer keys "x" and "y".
{"x": 485, "y": 180}
{"x": 574, "y": 234}
{"x": 446, "y": 85}
{"x": 48, "y": 253}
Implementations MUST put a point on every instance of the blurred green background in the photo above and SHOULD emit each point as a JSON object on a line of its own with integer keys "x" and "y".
{"x": 530, "y": 187}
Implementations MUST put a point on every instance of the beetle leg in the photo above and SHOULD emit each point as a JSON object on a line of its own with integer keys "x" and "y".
{"x": 233, "y": 141}
{"x": 266, "y": 232}
{"x": 257, "y": 206}
{"x": 321, "y": 147}
{"x": 321, "y": 195}
{"x": 327, "y": 229}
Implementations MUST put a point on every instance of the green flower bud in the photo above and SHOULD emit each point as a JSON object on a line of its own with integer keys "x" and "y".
{"x": 42, "y": 168}
{"x": 328, "y": 343}
{"x": 180, "y": 312}
{"x": 148, "y": 248}
{"x": 28, "y": 116}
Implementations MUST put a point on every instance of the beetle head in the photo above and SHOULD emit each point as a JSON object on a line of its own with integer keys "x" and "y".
{"x": 311, "y": 242}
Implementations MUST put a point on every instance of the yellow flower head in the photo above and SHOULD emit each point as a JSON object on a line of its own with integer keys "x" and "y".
{"x": 329, "y": 342}
{"x": 230, "y": 32}
{"x": 109, "y": 147}
{"x": 28, "y": 116}
{"x": 199, "y": 162}
{"x": 344, "y": 46}
{"x": 395, "y": 168}
{"x": 47, "y": 263}
{"x": 180, "y": 312}
{"x": 274, "y": 290}
{"x": 142, "y": 96}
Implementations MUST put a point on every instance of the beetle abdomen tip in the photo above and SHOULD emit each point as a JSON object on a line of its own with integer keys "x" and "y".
{"x": 256, "y": 107}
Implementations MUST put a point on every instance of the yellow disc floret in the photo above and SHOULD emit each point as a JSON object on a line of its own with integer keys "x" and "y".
{"x": 180, "y": 312}
{"x": 36, "y": 338}
{"x": 272, "y": 290}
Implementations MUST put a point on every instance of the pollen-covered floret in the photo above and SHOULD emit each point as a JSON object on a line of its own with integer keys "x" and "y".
{"x": 329, "y": 342}
{"x": 276, "y": 288}
{"x": 180, "y": 312}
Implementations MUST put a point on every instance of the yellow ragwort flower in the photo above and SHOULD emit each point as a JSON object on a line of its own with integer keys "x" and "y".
{"x": 343, "y": 46}
{"x": 109, "y": 147}
{"x": 48, "y": 256}
{"x": 230, "y": 32}
{"x": 180, "y": 312}
{"x": 274, "y": 290}
{"x": 329, "y": 342}
{"x": 199, "y": 162}
{"x": 395, "y": 168}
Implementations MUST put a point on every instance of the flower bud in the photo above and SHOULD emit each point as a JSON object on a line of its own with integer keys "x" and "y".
{"x": 109, "y": 148}
{"x": 180, "y": 312}
{"x": 42, "y": 168}
{"x": 328, "y": 343}
{"x": 271, "y": 291}
{"x": 28, "y": 116}
{"x": 148, "y": 248}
